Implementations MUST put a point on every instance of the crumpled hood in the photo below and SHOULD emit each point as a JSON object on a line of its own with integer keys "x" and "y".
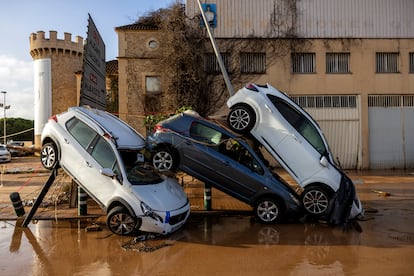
{"x": 165, "y": 196}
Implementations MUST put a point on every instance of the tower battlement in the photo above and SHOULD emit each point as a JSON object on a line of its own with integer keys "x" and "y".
{"x": 41, "y": 47}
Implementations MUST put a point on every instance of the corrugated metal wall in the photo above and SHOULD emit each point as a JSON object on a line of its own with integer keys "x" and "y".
{"x": 391, "y": 131}
{"x": 315, "y": 18}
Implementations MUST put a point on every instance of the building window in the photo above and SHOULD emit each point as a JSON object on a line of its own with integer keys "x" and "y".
{"x": 337, "y": 63}
{"x": 411, "y": 62}
{"x": 303, "y": 63}
{"x": 387, "y": 62}
{"x": 153, "y": 84}
{"x": 211, "y": 64}
{"x": 253, "y": 63}
{"x": 328, "y": 101}
{"x": 153, "y": 44}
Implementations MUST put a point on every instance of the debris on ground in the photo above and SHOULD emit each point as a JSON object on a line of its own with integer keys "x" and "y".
{"x": 382, "y": 193}
{"x": 93, "y": 228}
{"x": 145, "y": 243}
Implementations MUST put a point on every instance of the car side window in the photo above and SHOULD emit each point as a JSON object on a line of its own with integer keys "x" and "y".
{"x": 81, "y": 132}
{"x": 205, "y": 134}
{"x": 104, "y": 155}
{"x": 300, "y": 123}
{"x": 236, "y": 151}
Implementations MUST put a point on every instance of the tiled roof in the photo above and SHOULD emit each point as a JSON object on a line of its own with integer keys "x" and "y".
{"x": 112, "y": 67}
{"x": 138, "y": 27}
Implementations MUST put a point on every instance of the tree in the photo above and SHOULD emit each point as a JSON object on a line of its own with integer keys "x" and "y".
{"x": 183, "y": 44}
{"x": 17, "y": 129}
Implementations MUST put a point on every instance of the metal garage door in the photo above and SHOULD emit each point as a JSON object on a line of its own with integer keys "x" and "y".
{"x": 339, "y": 118}
{"x": 391, "y": 131}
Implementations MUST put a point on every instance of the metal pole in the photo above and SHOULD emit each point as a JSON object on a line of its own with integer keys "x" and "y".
{"x": 207, "y": 197}
{"x": 40, "y": 197}
{"x": 216, "y": 51}
{"x": 82, "y": 202}
{"x": 4, "y": 117}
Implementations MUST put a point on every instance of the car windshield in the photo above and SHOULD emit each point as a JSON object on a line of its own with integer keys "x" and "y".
{"x": 139, "y": 173}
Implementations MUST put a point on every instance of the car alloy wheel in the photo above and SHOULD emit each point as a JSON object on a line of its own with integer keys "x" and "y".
{"x": 241, "y": 119}
{"x": 121, "y": 222}
{"x": 315, "y": 200}
{"x": 267, "y": 210}
{"x": 49, "y": 156}
{"x": 163, "y": 160}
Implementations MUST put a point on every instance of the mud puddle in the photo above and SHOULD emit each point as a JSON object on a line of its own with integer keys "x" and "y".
{"x": 207, "y": 245}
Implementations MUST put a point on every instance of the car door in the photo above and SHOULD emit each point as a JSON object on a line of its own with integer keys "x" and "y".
{"x": 198, "y": 149}
{"x": 242, "y": 173}
{"x": 303, "y": 147}
{"x": 74, "y": 144}
{"x": 100, "y": 156}
{"x": 206, "y": 158}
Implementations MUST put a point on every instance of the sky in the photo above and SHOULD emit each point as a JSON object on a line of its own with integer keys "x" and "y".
{"x": 20, "y": 18}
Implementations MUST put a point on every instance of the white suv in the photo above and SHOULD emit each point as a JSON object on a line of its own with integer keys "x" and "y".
{"x": 296, "y": 141}
{"x": 104, "y": 156}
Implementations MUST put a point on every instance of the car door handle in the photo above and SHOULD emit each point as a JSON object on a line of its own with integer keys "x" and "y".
{"x": 226, "y": 163}
{"x": 268, "y": 108}
{"x": 88, "y": 164}
{"x": 295, "y": 138}
{"x": 188, "y": 142}
{"x": 66, "y": 141}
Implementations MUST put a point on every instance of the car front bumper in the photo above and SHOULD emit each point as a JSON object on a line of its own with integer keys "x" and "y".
{"x": 345, "y": 204}
{"x": 165, "y": 222}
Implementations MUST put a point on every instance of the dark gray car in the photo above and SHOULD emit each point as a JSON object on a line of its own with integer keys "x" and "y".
{"x": 218, "y": 157}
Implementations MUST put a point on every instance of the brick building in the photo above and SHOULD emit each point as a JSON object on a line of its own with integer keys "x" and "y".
{"x": 350, "y": 64}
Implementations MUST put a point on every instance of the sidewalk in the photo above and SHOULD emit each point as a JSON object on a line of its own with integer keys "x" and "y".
{"x": 26, "y": 176}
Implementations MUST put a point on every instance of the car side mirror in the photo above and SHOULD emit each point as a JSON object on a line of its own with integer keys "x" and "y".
{"x": 324, "y": 161}
{"x": 108, "y": 172}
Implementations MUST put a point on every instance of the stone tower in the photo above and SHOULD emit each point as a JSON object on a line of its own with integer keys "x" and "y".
{"x": 56, "y": 85}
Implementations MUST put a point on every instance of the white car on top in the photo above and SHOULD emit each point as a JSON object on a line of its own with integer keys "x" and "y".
{"x": 296, "y": 141}
{"x": 104, "y": 156}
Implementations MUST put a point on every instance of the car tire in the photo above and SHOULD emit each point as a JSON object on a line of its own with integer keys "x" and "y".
{"x": 163, "y": 159}
{"x": 49, "y": 156}
{"x": 268, "y": 210}
{"x": 241, "y": 119}
{"x": 121, "y": 222}
{"x": 315, "y": 200}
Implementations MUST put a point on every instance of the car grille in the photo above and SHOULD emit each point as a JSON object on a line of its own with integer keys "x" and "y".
{"x": 178, "y": 218}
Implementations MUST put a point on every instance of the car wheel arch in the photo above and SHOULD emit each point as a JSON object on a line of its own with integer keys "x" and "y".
{"x": 120, "y": 202}
{"x": 324, "y": 186}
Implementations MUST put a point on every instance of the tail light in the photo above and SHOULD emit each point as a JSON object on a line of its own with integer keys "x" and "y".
{"x": 54, "y": 118}
{"x": 251, "y": 87}
{"x": 160, "y": 128}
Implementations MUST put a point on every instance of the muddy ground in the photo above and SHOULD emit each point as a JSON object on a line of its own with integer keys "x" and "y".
{"x": 222, "y": 242}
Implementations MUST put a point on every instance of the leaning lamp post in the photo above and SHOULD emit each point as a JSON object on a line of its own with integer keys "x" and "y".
{"x": 4, "y": 116}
